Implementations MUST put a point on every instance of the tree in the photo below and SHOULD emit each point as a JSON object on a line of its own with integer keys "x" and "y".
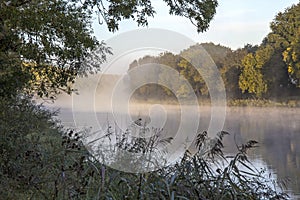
{"x": 291, "y": 57}
{"x": 195, "y": 79}
{"x": 200, "y": 12}
{"x": 285, "y": 36}
{"x": 50, "y": 38}
{"x": 170, "y": 61}
{"x": 276, "y": 59}
{"x": 199, "y": 69}
{"x": 200, "y": 55}
{"x": 251, "y": 79}
{"x": 232, "y": 69}
{"x": 149, "y": 74}
{"x": 276, "y": 75}
{"x": 217, "y": 52}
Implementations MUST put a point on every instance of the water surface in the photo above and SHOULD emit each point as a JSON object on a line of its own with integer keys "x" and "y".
{"x": 276, "y": 129}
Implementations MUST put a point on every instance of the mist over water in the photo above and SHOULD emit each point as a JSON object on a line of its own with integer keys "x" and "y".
{"x": 276, "y": 129}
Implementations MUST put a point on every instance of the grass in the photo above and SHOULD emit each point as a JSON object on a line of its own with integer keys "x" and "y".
{"x": 208, "y": 174}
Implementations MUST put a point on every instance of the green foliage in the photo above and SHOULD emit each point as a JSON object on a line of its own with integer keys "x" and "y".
{"x": 292, "y": 58}
{"x": 194, "y": 75}
{"x": 248, "y": 72}
{"x": 12, "y": 80}
{"x": 149, "y": 75}
{"x": 218, "y": 53}
{"x": 285, "y": 36}
{"x": 273, "y": 68}
{"x": 232, "y": 68}
{"x": 276, "y": 75}
{"x": 200, "y": 12}
{"x": 51, "y": 36}
{"x": 36, "y": 161}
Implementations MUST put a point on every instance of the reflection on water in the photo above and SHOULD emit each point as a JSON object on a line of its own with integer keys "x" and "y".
{"x": 276, "y": 129}
{"x": 278, "y": 132}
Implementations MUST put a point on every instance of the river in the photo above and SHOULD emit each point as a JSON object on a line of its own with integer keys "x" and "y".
{"x": 276, "y": 129}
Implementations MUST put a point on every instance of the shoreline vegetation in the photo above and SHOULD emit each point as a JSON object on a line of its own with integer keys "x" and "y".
{"x": 138, "y": 106}
{"x": 291, "y": 103}
{"x": 263, "y": 103}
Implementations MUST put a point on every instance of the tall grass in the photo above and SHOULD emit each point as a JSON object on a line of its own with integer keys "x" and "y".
{"x": 208, "y": 174}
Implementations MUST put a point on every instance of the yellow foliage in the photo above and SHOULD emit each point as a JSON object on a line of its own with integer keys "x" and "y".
{"x": 41, "y": 73}
{"x": 285, "y": 55}
{"x": 249, "y": 60}
{"x": 294, "y": 56}
{"x": 290, "y": 69}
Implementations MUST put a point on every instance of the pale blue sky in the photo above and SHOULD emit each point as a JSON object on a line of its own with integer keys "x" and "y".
{"x": 236, "y": 23}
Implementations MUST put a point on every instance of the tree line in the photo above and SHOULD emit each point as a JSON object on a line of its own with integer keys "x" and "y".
{"x": 269, "y": 70}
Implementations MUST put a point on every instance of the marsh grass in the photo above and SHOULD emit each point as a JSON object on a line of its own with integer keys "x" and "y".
{"x": 208, "y": 174}
{"x": 136, "y": 149}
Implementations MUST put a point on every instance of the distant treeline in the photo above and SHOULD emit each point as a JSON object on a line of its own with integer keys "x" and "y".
{"x": 270, "y": 70}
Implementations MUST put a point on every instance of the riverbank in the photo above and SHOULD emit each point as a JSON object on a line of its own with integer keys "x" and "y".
{"x": 263, "y": 103}
{"x": 292, "y": 103}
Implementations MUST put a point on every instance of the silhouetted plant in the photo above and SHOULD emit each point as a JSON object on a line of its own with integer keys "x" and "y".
{"x": 40, "y": 160}
{"x": 208, "y": 174}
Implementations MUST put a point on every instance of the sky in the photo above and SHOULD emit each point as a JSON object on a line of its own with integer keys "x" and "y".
{"x": 236, "y": 23}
